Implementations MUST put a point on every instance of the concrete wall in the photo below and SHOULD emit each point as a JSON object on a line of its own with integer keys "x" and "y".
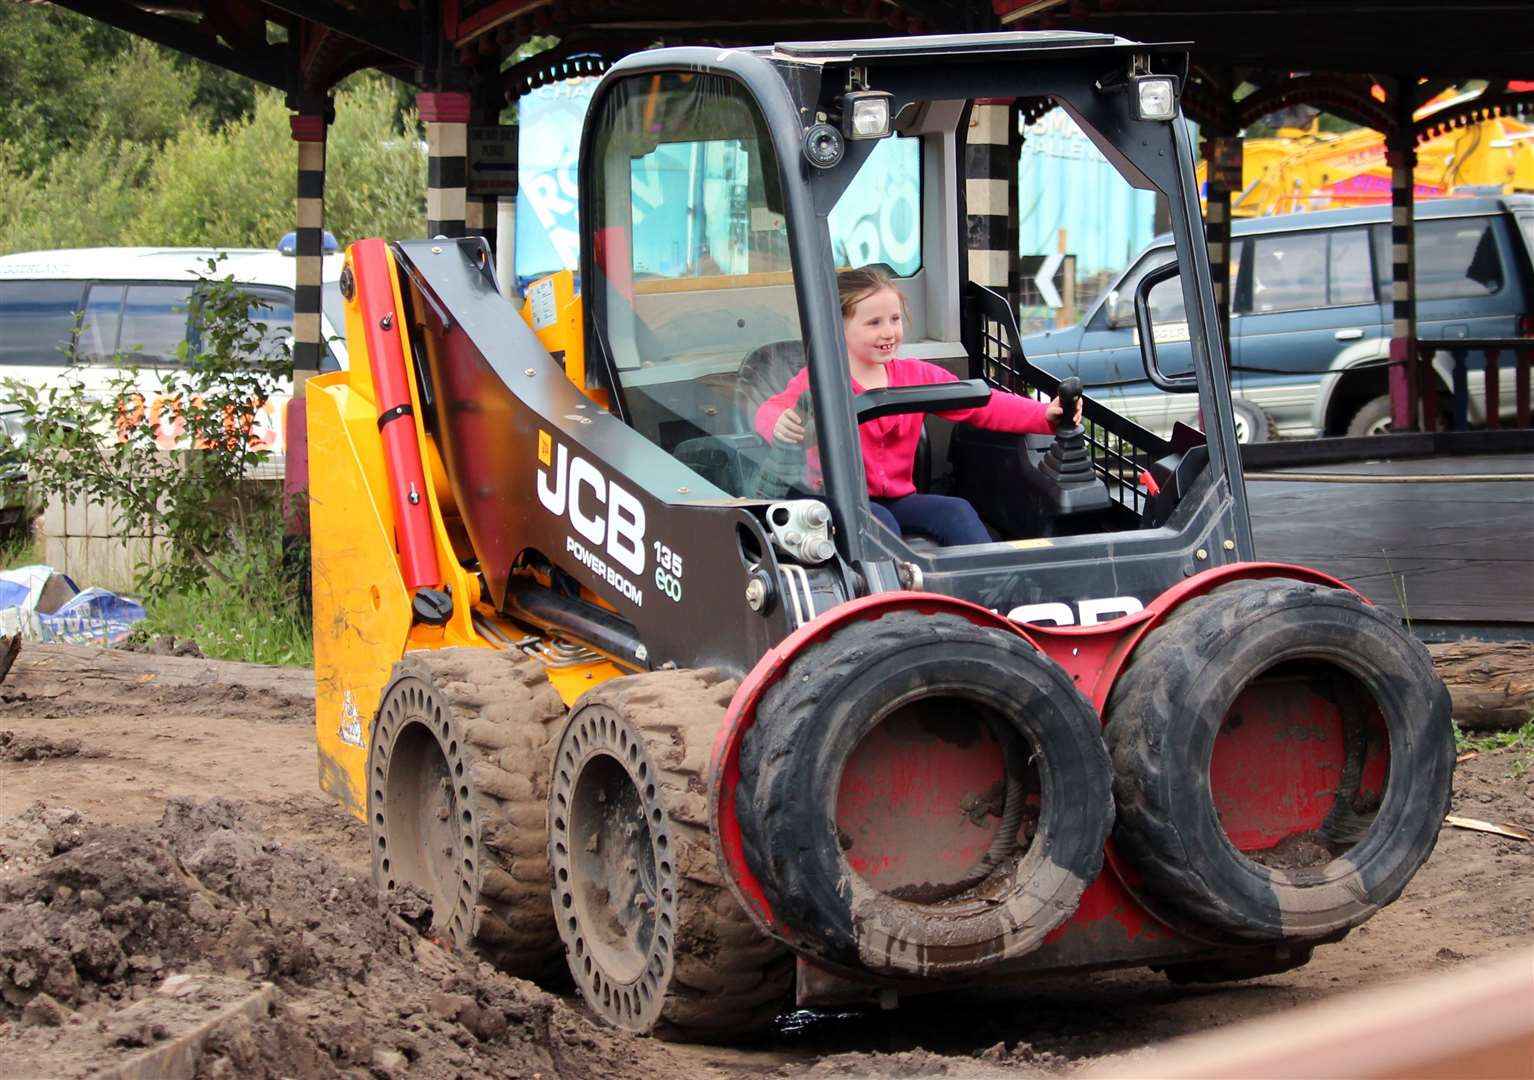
{"x": 79, "y": 539}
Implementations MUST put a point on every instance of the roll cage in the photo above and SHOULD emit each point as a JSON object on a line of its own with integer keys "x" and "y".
{"x": 930, "y": 82}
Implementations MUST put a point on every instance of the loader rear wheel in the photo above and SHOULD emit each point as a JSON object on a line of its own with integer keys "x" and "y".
{"x": 655, "y": 940}
{"x": 923, "y": 796}
{"x": 458, "y": 768}
{"x": 1282, "y": 760}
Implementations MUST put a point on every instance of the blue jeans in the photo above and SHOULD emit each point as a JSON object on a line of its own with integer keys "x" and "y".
{"x": 948, "y": 520}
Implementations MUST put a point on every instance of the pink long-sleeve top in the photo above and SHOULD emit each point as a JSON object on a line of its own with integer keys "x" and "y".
{"x": 889, "y": 443}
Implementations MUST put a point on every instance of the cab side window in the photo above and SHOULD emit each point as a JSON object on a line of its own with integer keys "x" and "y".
{"x": 37, "y": 321}
{"x": 691, "y": 265}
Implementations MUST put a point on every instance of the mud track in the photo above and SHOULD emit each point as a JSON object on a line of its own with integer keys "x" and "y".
{"x": 160, "y": 816}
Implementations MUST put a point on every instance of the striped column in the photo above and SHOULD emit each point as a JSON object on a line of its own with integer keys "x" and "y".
{"x": 1223, "y": 154}
{"x": 308, "y": 345}
{"x": 1401, "y": 156}
{"x": 446, "y": 115}
{"x": 990, "y": 175}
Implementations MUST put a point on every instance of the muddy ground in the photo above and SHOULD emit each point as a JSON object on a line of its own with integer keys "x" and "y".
{"x": 159, "y": 819}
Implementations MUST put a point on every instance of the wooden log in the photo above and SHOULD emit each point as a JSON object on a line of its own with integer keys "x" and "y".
{"x": 1491, "y": 684}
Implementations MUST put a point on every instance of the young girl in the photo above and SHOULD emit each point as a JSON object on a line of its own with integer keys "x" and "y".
{"x": 873, "y": 318}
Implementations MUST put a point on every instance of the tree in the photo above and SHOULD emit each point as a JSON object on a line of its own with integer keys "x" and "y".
{"x": 235, "y": 187}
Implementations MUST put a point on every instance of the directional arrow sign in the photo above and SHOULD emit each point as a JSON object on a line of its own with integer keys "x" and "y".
{"x": 1045, "y": 279}
{"x": 492, "y": 160}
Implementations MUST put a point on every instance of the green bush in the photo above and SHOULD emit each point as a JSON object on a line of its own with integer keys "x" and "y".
{"x": 235, "y": 187}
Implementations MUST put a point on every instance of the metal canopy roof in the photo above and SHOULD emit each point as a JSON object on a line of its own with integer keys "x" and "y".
{"x": 1468, "y": 39}
{"x": 307, "y": 46}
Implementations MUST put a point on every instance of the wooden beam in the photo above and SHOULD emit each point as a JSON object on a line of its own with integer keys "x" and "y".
{"x": 397, "y": 37}
{"x": 267, "y": 64}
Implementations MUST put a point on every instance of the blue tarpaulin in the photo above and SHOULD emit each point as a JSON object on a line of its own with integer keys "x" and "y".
{"x": 41, "y": 604}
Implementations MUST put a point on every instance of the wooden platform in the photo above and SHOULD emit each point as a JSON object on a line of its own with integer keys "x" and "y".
{"x": 1443, "y": 541}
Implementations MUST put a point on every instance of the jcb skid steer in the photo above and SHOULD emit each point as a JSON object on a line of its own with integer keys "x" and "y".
{"x": 618, "y": 686}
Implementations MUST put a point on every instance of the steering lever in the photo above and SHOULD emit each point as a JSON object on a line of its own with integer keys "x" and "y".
{"x": 1067, "y": 461}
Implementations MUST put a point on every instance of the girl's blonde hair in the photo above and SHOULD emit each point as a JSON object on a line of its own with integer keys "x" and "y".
{"x": 855, "y": 286}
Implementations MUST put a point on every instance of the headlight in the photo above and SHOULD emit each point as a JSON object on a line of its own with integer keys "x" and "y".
{"x": 1153, "y": 97}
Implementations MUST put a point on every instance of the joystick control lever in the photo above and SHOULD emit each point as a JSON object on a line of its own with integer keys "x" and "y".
{"x": 1067, "y": 461}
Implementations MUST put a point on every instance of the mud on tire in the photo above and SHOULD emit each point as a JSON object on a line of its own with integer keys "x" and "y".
{"x": 875, "y": 679}
{"x": 458, "y": 765}
{"x": 652, "y": 935}
{"x": 1184, "y": 690}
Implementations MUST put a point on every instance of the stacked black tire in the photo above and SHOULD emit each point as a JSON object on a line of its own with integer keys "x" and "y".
{"x": 810, "y": 722}
{"x": 1166, "y": 711}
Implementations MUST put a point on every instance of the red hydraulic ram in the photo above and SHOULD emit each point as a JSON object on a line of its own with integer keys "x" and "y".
{"x": 396, "y": 424}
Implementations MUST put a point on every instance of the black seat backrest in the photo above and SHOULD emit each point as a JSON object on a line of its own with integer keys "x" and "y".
{"x": 765, "y": 371}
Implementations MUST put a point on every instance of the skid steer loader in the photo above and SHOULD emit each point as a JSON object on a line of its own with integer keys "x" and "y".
{"x": 620, "y": 688}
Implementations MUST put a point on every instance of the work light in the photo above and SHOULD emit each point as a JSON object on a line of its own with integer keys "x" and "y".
{"x": 1153, "y": 97}
{"x": 866, "y": 114}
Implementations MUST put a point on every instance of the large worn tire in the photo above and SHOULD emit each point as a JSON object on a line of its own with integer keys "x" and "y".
{"x": 945, "y": 673}
{"x": 1168, "y": 708}
{"x": 458, "y": 768}
{"x": 653, "y": 937}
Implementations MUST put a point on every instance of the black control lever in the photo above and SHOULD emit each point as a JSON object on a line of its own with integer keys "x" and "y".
{"x": 1067, "y": 461}
{"x": 1069, "y": 393}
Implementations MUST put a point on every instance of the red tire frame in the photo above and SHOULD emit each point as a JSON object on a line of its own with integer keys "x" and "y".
{"x": 1092, "y": 655}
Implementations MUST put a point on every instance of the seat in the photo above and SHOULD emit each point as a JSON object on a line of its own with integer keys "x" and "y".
{"x": 767, "y": 369}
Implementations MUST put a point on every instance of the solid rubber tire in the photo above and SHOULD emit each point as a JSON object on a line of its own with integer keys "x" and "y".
{"x": 807, "y": 726}
{"x": 498, "y": 716}
{"x": 1165, "y": 713}
{"x": 709, "y": 974}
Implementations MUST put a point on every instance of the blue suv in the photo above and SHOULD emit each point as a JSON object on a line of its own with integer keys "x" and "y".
{"x": 1310, "y": 316}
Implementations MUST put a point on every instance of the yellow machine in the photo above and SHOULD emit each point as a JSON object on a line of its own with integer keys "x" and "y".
{"x": 630, "y": 694}
{"x": 359, "y": 595}
{"x": 1308, "y": 169}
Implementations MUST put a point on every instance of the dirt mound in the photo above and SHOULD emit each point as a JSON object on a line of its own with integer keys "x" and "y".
{"x": 14, "y": 747}
{"x": 71, "y": 681}
{"x": 98, "y": 931}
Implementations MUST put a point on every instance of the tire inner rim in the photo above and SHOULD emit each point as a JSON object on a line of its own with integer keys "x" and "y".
{"x": 612, "y": 860}
{"x": 1298, "y": 769}
{"x": 935, "y": 797}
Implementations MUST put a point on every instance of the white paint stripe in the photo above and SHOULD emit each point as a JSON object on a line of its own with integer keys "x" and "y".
{"x": 988, "y": 268}
{"x": 986, "y": 196}
{"x": 447, "y": 140}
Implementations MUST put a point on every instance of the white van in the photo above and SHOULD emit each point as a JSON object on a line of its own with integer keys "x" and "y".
{"x": 82, "y": 307}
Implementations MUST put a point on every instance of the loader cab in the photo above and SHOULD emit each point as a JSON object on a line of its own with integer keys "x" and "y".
{"x": 723, "y": 191}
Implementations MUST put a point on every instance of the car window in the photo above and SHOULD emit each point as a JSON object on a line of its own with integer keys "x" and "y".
{"x": 272, "y": 308}
{"x": 1457, "y": 258}
{"x": 1289, "y": 271}
{"x": 37, "y": 320}
{"x": 1165, "y": 299}
{"x": 1350, "y": 279}
{"x": 1526, "y": 223}
{"x": 100, "y": 322}
{"x": 1166, "y": 303}
{"x": 334, "y": 306}
{"x": 154, "y": 323}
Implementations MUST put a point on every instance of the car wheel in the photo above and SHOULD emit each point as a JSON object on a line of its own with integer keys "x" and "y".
{"x": 1252, "y": 424}
{"x": 1372, "y": 418}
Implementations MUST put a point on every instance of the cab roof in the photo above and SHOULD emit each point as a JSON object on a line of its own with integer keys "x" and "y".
{"x": 909, "y": 48}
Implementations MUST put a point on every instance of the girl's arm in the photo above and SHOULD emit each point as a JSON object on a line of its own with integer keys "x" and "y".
{"x": 768, "y": 412}
{"x": 1004, "y": 412}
